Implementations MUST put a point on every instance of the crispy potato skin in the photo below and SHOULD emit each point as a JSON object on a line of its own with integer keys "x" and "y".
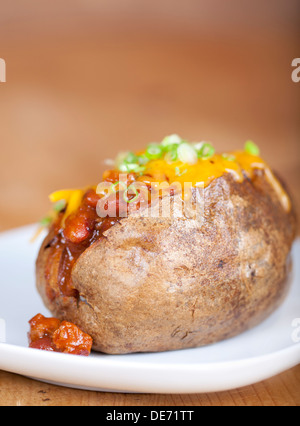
{"x": 165, "y": 284}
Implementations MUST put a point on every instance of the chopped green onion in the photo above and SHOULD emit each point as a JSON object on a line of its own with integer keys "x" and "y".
{"x": 198, "y": 146}
{"x": 171, "y": 140}
{"x": 251, "y": 148}
{"x": 172, "y": 154}
{"x": 178, "y": 172}
{"x": 130, "y": 158}
{"x": 46, "y": 221}
{"x": 142, "y": 159}
{"x": 128, "y": 162}
{"x": 187, "y": 153}
{"x": 154, "y": 151}
{"x": 123, "y": 168}
{"x": 229, "y": 157}
{"x": 59, "y": 206}
{"x": 171, "y": 147}
{"x": 140, "y": 169}
{"x": 131, "y": 168}
{"x": 120, "y": 159}
{"x": 206, "y": 151}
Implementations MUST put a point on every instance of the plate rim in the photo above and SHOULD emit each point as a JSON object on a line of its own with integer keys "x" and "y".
{"x": 194, "y": 378}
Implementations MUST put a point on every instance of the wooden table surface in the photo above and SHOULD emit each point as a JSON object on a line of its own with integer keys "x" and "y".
{"x": 75, "y": 98}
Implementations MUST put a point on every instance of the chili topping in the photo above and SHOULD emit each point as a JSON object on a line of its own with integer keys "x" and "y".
{"x": 50, "y": 334}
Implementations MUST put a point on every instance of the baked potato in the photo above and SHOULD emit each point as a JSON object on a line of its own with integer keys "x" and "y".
{"x": 151, "y": 282}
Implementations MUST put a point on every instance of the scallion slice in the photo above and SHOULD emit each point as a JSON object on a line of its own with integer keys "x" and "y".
{"x": 187, "y": 153}
{"x": 171, "y": 140}
{"x": 46, "y": 221}
{"x": 131, "y": 158}
{"x": 178, "y": 172}
{"x": 123, "y": 168}
{"x": 172, "y": 154}
{"x": 59, "y": 206}
{"x": 143, "y": 160}
{"x": 198, "y": 146}
{"x": 251, "y": 148}
{"x": 131, "y": 168}
{"x": 206, "y": 151}
{"x": 154, "y": 151}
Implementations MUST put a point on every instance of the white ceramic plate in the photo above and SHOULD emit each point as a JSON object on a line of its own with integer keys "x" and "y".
{"x": 258, "y": 354}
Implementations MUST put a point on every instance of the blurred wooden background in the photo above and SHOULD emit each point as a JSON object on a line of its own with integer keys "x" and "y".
{"x": 88, "y": 78}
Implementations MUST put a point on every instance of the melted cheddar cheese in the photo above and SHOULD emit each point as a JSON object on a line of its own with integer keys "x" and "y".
{"x": 202, "y": 173}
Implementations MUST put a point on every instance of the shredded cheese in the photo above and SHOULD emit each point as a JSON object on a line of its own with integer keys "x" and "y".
{"x": 200, "y": 174}
{"x": 72, "y": 197}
